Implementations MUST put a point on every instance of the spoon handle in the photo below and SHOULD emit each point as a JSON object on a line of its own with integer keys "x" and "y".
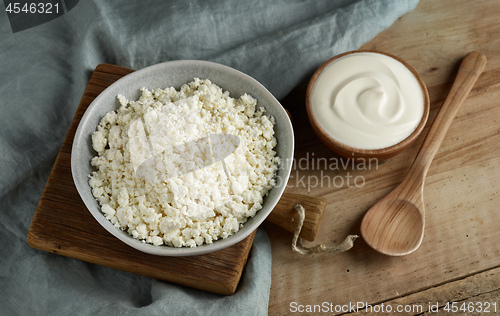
{"x": 470, "y": 69}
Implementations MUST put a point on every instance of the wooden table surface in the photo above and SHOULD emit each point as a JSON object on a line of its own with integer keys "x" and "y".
{"x": 458, "y": 263}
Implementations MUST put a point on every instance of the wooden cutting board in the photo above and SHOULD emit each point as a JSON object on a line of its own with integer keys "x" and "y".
{"x": 63, "y": 225}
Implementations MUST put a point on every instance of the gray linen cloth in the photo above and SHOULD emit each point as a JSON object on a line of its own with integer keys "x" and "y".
{"x": 44, "y": 70}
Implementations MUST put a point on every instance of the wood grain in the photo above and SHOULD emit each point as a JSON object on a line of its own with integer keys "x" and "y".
{"x": 482, "y": 287}
{"x": 63, "y": 225}
{"x": 462, "y": 198}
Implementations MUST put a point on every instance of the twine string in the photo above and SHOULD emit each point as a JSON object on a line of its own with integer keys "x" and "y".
{"x": 297, "y": 245}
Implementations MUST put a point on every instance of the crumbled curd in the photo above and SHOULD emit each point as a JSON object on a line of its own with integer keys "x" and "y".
{"x": 185, "y": 202}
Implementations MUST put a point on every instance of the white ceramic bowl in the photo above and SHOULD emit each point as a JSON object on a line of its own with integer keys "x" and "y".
{"x": 177, "y": 73}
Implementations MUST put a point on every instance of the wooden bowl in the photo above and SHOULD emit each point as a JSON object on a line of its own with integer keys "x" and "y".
{"x": 347, "y": 151}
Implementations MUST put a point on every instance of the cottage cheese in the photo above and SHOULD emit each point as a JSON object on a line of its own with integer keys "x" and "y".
{"x": 158, "y": 176}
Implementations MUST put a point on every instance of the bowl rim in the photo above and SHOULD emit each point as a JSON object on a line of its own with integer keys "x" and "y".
{"x": 163, "y": 250}
{"x": 354, "y": 152}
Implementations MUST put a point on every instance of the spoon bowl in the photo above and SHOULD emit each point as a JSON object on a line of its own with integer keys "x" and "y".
{"x": 395, "y": 225}
{"x": 398, "y": 228}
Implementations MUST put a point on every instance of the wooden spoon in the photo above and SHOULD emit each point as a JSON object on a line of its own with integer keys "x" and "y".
{"x": 395, "y": 225}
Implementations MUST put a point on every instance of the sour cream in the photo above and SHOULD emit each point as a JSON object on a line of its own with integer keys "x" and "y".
{"x": 367, "y": 100}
